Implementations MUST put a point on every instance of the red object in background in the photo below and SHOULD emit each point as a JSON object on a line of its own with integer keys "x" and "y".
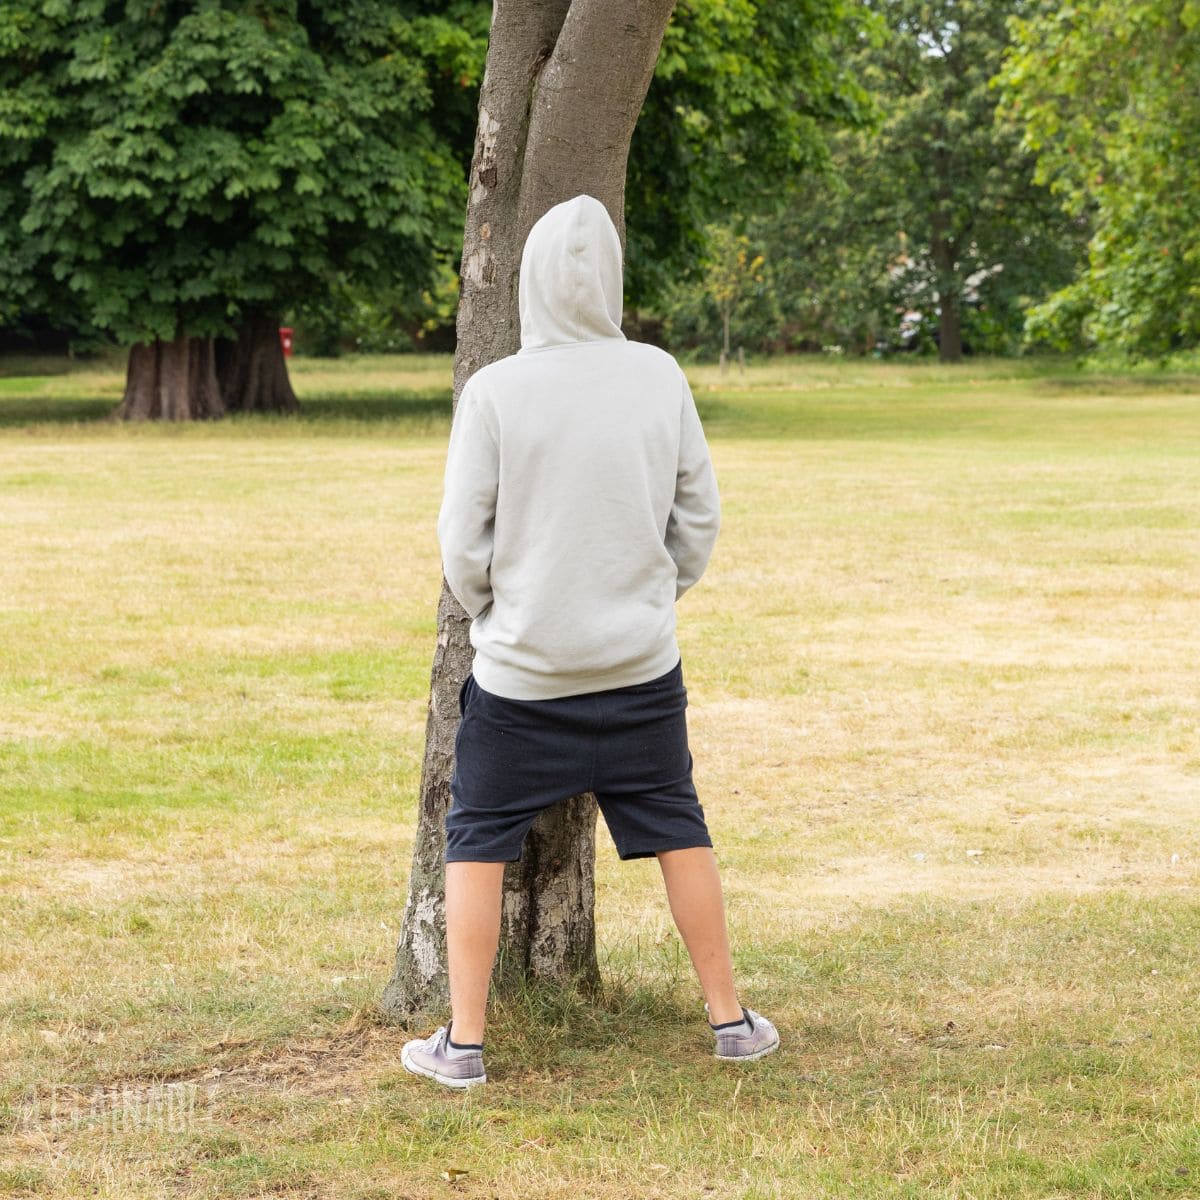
{"x": 285, "y": 340}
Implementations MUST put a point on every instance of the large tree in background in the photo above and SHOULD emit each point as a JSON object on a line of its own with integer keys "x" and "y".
{"x": 1108, "y": 96}
{"x": 564, "y": 85}
{"x": 935, "y": 207}
{"x": 184, "y": 171}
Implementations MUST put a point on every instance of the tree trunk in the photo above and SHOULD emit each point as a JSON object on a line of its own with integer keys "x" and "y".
{"x": 171, "y": 381}
{"x": 949, "y": 329}
{"x": 949, "y": 314}
{"x": 253, "y": 371}
{"x": 564, "y": 83}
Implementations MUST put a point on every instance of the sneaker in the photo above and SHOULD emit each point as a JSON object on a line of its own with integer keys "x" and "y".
{"x": 754, "y": 1037}
{"x": 435, "y": 1058}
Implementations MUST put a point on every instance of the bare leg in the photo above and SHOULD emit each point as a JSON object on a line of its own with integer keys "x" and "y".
{"x": 473, "y": 892}
{"x": 694, "y": 890}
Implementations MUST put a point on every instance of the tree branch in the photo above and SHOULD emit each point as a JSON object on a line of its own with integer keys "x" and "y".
{"x": 583, "y": 116}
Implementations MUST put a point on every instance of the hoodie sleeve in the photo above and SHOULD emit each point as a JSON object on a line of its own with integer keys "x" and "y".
{"x": 468, "y": 513}
{"x": 696, "y": 514}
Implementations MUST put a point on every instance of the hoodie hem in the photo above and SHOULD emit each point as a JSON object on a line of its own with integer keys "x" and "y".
{"x": 518, "y": 683}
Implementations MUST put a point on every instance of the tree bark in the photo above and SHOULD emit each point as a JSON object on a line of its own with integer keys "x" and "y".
{"x": 171, "y": 381}
{"x": 563, "y": 86}
{"x": 950, "y": 348}
{"x": 252, "y": 370}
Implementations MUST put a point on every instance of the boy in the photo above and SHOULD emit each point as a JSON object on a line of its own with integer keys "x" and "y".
{"x": 579, "y": 505}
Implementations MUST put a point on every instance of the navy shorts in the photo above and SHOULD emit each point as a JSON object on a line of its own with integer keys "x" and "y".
{"x": 515, "y": 758}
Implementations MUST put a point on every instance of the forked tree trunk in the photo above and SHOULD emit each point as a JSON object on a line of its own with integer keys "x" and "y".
{"x": 195, "y": 377}
{"x": 171, "y": 381}
{"x": 564, "y": 83}
{"x": 252, "y": 370}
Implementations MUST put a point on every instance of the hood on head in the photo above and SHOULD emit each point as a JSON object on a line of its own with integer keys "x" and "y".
{"x": 571, "y": 288}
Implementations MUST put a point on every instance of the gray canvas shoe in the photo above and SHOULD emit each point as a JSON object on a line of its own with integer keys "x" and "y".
{"x": 435, "y": 1059}
{"x": 755, "y": 1037}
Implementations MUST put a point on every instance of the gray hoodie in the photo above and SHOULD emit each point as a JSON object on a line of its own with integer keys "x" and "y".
{"x": 580, "y": 500}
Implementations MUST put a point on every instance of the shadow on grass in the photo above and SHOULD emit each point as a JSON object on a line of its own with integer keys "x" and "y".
{"x": 390, "y": 406}
{"x": 45, "y": 410}
{"x": 404, "y": 408}
{"x": 1132, "y": 384}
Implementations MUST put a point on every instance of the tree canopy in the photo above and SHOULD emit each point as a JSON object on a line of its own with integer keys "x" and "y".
{"x": 744, "y": 97}
{"x": 1108, "y": 96}
{"x": 187, "y": 167}
{"x": 169, "y": 167}
{"x": 931, "y": 210}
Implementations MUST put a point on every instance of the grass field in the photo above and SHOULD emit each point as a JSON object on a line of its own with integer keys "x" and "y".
{"x": 945, "y": 697}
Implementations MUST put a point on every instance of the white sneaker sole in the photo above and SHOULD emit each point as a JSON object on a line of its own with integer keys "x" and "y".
{"x": 750, "y": 1057}
{"x": 445, "y": 1080}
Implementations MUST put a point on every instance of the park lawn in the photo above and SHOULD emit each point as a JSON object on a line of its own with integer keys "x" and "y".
{"x": 943, "y": 674}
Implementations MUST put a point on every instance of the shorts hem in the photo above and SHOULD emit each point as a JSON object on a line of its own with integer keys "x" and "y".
{"x": 483, "y": 856}
{"x": 696, "y": 842}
